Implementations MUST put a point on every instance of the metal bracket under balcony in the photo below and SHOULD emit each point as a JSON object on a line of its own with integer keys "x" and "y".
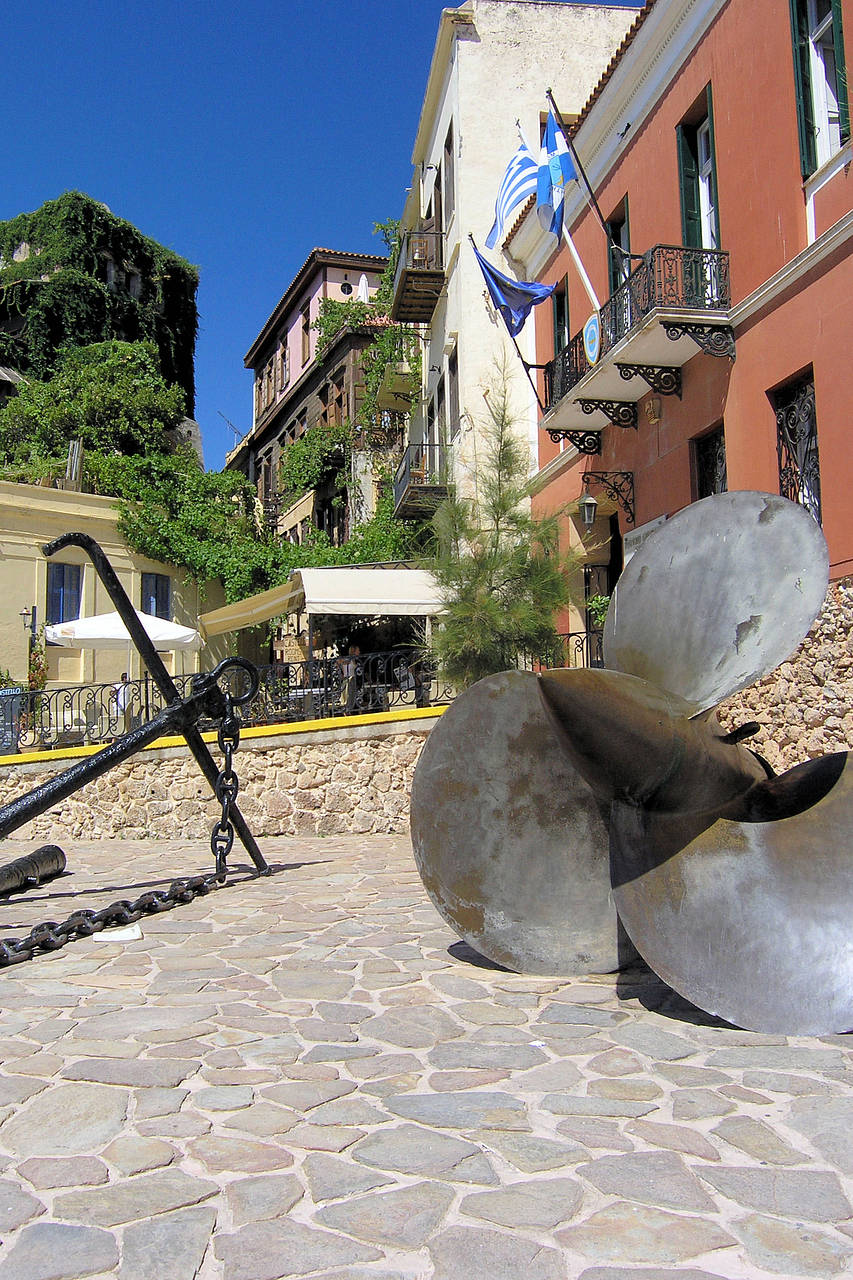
{"x": 420, "y": 482}
{"x": 584, "y": 441}
{"x": 419, "y": 279}
{"x": 665, "y": 380}
{"x": 713, "y": 339}
{"x": 622, "y": 413}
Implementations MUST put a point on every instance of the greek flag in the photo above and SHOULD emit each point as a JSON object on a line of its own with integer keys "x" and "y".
{"x": 555, "y": 170}
{"x": 514, "y": 299}
{"x": 519, "y": 182}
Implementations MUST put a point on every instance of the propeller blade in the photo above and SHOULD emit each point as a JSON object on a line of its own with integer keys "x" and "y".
{"x": 510, "y": 841}
{"x": 718, "y": 596}
{"x": 632, "y": 741}
{"x": 748, "y": 916}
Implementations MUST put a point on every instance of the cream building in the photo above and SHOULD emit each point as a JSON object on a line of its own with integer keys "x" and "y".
{"x": 492, "y": 63}
{"x": 30, "y": 516}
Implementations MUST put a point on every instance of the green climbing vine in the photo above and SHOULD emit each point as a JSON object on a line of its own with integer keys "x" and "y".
{"x": 321, "y": 452}
{"x": 73, "y": 273}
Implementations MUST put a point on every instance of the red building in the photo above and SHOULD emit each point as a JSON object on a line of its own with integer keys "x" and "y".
{"x": 717, "y": 145}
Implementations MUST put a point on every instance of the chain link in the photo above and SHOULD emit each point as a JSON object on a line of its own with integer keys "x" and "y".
{"x": 50, "y": 935}
{"x": 226, "y": 788}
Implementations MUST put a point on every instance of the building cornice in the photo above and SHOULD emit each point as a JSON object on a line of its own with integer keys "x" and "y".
{"x": 793, "y": 272}
{"x": 547, "y": 474}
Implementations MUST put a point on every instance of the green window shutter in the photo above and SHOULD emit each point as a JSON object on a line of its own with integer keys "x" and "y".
{"x": 803, "y": 86}
{"x": 840, "y": 71}
{"x": 715, "y": 194}
{"x": 688, "y": 177}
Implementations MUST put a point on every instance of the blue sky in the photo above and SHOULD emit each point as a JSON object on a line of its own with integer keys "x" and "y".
{"x": 240, "y": 135}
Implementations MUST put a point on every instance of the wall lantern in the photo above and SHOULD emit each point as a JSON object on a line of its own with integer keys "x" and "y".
{"x": 587, "y": 506}
{"x": 618, "y": 485}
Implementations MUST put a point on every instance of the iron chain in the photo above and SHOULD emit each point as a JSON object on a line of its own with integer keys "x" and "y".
{"x": 226, "y": 788}
{"x": 50, "y": 935}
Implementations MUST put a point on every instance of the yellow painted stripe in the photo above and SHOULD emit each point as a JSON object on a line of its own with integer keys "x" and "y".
{"x": 256, "y": 731}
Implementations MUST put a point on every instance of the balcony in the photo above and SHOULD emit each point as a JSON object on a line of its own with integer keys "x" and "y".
{"x": 420, "y": 482}
{"x": 396, "y": 389}
{"x": 419, "y": 279}
{"x": 673, "y": 305}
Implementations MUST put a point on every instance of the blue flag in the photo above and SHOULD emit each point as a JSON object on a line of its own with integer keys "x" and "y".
{"x": 518, "y": 183}
{"x": 513, "y": 298}
{"x": 555, "y": 171}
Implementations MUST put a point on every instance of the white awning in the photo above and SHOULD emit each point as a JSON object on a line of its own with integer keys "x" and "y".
{"x": 352, "y": 592}
{"x": 107, "y": 631}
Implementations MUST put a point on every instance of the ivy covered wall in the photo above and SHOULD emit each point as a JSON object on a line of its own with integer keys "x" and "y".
{"x": 72, "y": 273}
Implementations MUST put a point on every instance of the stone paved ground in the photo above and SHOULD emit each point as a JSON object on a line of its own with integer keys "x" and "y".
{"x": 308, "y": 1076}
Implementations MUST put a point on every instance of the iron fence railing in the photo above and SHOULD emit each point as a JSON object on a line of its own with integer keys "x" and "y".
{"x": 668, "y": 276}
{"x": 287, "y": 691}
{"x": 572, "y": 649}
{"x": 421, "y": 251}
{"x": 315, "y": 689}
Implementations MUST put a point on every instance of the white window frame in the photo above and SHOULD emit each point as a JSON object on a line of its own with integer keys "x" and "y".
{"x": 827, "y": 120}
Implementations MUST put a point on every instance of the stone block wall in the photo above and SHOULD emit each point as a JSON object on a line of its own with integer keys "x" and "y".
{"x": 805, "y": 707}
{"x": 326, "y": 782}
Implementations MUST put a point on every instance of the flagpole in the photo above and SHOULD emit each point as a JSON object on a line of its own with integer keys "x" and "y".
{"x": 576, "y": 259}
{"x": 578, "y": 165}
{"x": 527, "y": 367}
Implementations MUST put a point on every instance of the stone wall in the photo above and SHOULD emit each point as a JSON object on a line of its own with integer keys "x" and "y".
{"x": 805, "y": 707}
{"x": 323, "y": 782}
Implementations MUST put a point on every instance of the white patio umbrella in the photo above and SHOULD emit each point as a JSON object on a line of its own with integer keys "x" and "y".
{"x": 107, "y": 631}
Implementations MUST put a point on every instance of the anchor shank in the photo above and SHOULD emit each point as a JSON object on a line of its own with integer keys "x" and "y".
{"x": 159, "y": 674}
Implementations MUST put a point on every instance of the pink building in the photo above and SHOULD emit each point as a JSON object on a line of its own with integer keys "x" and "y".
{"x": 294, "y": 389}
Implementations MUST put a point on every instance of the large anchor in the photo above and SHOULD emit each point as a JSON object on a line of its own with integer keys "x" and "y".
{"x": 212, "y": 698}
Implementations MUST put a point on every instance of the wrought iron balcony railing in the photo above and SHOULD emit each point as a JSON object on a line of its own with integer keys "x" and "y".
{"x": 669, "y": 277}
{"x": 419, "y": 277}
{"x": 421, "y": 477}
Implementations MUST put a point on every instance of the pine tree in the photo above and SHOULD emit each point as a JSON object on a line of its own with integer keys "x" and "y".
{"x": 500, "y": 569}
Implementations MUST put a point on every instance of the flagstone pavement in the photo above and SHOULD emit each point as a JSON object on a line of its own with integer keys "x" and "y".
{"x": 308, "y": 1075}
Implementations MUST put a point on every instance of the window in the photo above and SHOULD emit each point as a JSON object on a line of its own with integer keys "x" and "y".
{"x": 560, "y": 303}
{"x": 618, "y": 247}
{"x": 284, "y": 366}
{"x": 336, "y": 401}
{"x": 823, "y": 114}
{"x": 440, "y": 412}
{"x": 453, "y": 393}
{"x": 709, "y": 463}
{"x": 698, "y": 178}
{"x": 306, "y": 333}
{"x": 157, "y": 595}
{"x": 64, "y": 583}
{"x": 796, "y": 443}
{"x": 448, "y": 177}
